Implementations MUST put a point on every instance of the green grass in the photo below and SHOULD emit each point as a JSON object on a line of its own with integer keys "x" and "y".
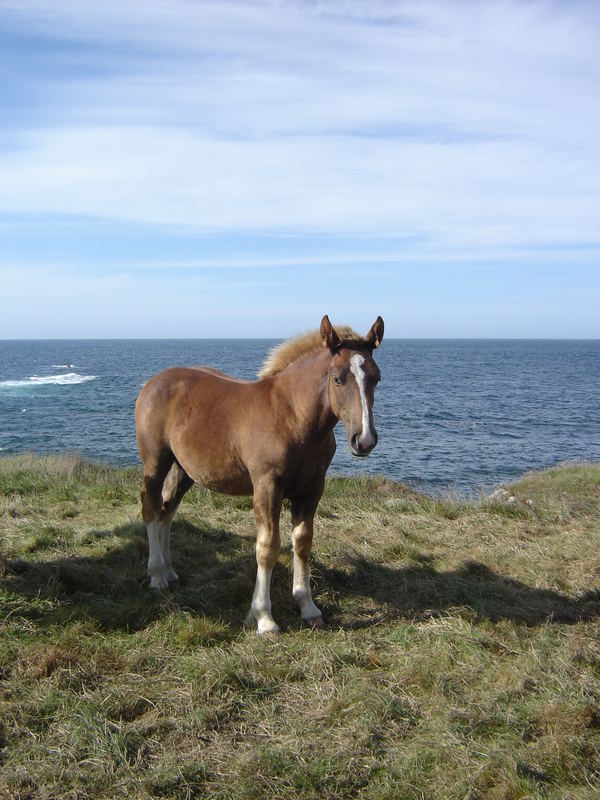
{"x": 460, "y": 656}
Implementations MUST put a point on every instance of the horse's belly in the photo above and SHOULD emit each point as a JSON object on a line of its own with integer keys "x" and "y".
{"x": 215, "y": 467}
{"x": 240, "y": 485}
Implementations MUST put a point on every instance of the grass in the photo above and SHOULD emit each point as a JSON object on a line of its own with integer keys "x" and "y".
{"x": 460, "y": 656}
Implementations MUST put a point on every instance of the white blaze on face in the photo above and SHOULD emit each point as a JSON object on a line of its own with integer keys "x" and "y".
{"x": 367, "y": 438}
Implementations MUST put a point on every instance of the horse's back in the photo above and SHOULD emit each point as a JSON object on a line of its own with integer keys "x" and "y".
{"x": 183, "y": 396}
{"x": 171, "y": 380}
{"x": 217, "y": 373}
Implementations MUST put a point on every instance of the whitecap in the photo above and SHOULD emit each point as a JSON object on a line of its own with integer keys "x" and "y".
{"x": 68, "y": 379}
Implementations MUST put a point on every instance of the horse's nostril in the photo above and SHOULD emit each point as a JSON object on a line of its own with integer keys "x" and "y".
{"x": 355, "y": 442}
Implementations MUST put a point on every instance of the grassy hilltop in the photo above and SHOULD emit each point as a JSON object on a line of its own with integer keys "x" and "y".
{"x": 460, "y": 657}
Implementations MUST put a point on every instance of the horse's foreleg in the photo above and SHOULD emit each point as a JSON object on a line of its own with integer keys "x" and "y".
{"x": 302, "y": 519}
{"x": 267, "y": 507}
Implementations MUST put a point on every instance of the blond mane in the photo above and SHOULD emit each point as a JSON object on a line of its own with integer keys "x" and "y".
{"x": 284, "y": 354}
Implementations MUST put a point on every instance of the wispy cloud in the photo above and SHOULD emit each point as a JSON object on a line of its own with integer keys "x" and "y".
{"x": 455, "y": 192}
{"x": 461, "y": 122}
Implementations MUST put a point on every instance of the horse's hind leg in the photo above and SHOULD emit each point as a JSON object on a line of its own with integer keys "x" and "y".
{"x": 175, "y": 486}
{"x": 156, "y": 470}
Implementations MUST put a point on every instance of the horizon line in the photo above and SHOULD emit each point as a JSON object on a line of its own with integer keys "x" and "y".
{"x": 283, "y": 338}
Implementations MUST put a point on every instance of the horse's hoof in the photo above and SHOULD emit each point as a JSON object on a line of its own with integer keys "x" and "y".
{"x": 267, "y": 626}
{"x": 270, "y": 630}
{"x": 264, "y": 626}
{"x": 159, "y": 584}
{"x": 314, "y": 622}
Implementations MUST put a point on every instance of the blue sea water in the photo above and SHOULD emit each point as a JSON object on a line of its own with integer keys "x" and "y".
{"x": 459, "y": 415}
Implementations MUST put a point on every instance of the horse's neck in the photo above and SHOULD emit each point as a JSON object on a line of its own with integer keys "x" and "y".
{"x": 305, "y": 385}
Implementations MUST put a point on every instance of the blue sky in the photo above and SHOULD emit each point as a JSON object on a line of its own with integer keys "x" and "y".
{"x": 187, "y": 168}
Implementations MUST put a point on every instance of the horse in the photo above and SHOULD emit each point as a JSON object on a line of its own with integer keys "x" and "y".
{"x": 271, "y": 438}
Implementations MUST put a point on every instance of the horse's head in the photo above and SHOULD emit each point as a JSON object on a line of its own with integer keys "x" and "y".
{"x": 352, "y": 378}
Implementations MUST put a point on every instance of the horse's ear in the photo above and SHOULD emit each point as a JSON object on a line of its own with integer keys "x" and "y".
{"x": 375, "y": 335}
{"x": 328, "y": 335}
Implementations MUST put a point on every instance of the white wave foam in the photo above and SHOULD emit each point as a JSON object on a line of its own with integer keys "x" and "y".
{"x": 63, "y": 366}
{"x": 68, "y": 379}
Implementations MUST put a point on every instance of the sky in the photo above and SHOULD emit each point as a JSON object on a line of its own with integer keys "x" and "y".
{"x": 238, "y": 168}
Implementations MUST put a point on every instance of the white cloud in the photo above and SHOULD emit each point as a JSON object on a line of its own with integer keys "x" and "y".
{"x": 482, "y": 193}
{"x": 461, "y": 122}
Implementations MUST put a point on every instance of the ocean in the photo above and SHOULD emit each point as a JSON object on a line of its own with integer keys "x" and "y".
{"x": 452, "y": 415}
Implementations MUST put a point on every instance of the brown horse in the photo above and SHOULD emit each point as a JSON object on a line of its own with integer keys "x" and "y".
{"x": 271, "y": 438}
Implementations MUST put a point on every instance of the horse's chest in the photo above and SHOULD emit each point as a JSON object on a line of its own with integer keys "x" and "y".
{"x": 305, "y": 468}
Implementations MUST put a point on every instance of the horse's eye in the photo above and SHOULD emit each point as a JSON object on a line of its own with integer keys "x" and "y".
{"x": 337, "y": 380}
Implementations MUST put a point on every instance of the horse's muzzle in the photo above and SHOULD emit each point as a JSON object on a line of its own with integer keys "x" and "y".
{"x": 361, "y": 449}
